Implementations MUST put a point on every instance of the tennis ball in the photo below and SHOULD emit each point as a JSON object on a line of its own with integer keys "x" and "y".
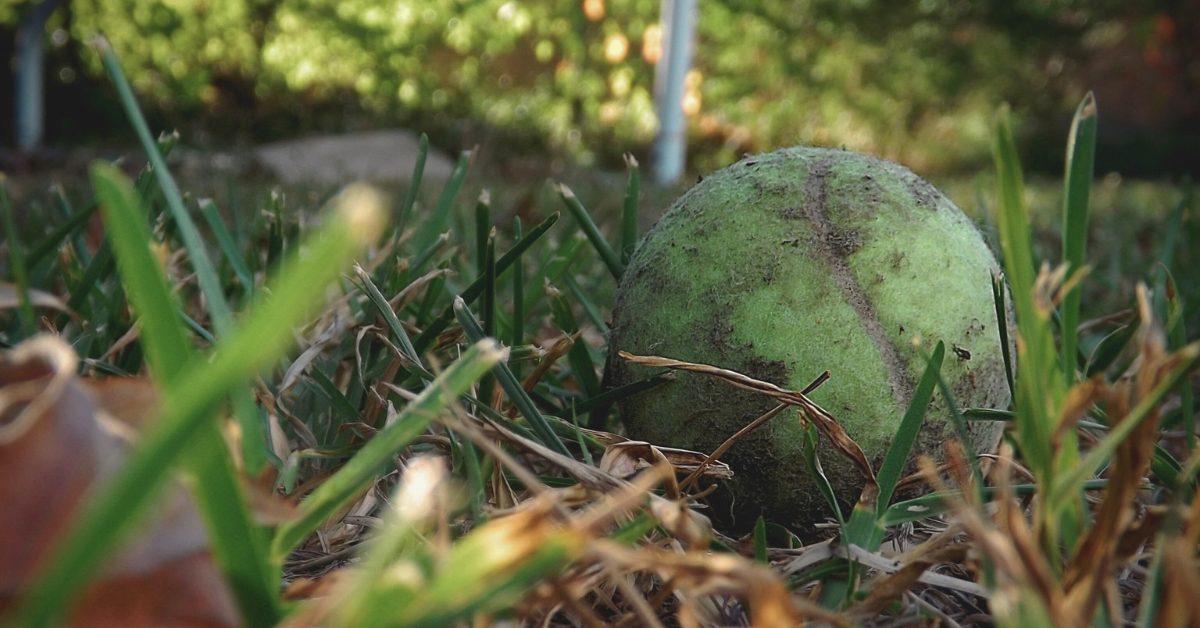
{"x": 789, "y": 264}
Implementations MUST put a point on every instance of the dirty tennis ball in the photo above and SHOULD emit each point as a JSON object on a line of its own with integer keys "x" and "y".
{"x": 789, "y": 264}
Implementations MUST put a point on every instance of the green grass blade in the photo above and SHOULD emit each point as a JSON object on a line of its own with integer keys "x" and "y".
{"x": 214, "y": 296}
{"x": 1012, "y": 218}
{"x": 1041, "y": 388}
{"x": 163, "y": 337}
{"x": 53, "y": 241}
{"x": 1175, "y": 230}
{"x": 1110, "y": 348}
{"x": 275, "y": 229}
{"x": 552, "y": 271}
{"x": 203, "y": 384}
{"x": 239, "y": 546}
{"x": 99, "y": 268}
{"x": 489, "y": 315}
{"x": 209, "y": 210}
{"x": 578, "y": 356}
{"x": 1177, "y": 336}
{"x": 69, "y": 232}
{"x": 438, "y": 325}
{"x": 1002, "y": 322}
{"x": 414, "y": 184}
{"x": 517, "y": 336}
{"x": 437, "y": 222}
{"x": 489, "y": 285}
{"x": 989, "y": 414}
{"x": 1165, "y": 467}
{"x": 254, "y": 438}
{"x": 433, "y": 293}
{"x": 610, "y": 258}
{"x": 428, "y": 253}
{"x": 393, "y": 323}
{"x": 629, "y": 213}
{"x": 483, "y": 227}
{"x": 587, "y": 303}
{"x": 16, "y": 262}
{"x": 475, "y": 479}
{"x": 582, "y": 442}
{"x": 1152, "y": 592}
{"x": 234, "y": 538}
{"x": 512, "y": 387}
{"x": 959, "y": 422}
{"x": 613, "y": 395}
{"x": 1081, "y": 151}
{"x": 865, "y": 527}
{"x": 910, "y": 426}
{"x": 812, "y": 461}
{"x": 362, "y": 469}
{"x": 937, "y": 504}
{"x": 340, "y": 405}
{"x": 760, "y": 541}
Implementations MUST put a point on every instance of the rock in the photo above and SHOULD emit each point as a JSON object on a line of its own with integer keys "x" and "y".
{"x": 384, "y": 156}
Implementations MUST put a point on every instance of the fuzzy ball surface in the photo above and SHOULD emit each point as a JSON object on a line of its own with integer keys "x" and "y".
{"x": 788, "y": 264}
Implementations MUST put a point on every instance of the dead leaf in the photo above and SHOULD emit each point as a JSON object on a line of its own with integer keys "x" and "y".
{"x": 10, "y": 299}
{"x": 558, "y": 350}
{"x": 1096, "y": 556}
{"x": 56, "y": 448}
{"x": 130, "y": 400}
{"x": 886, "y": 589}
{"x": 769, "y": 600}
{"x": 624, "y": 460}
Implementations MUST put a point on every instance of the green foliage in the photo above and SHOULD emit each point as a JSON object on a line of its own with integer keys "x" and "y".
{"x": 913, "y": 82}
{"x": 1042, "y": 384}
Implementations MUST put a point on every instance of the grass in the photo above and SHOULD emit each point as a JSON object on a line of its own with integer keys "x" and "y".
{"x": 446, "y": 478}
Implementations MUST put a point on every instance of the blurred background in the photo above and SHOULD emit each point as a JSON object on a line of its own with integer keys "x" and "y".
{"x": 574, "y": 80}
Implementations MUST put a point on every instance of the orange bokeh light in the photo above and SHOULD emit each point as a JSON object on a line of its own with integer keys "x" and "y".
{"x": 652, "y": 43}
{"x": 593, "y": 9}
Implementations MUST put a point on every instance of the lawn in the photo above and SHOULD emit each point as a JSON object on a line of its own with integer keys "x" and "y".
{"x": 366, "y": 406}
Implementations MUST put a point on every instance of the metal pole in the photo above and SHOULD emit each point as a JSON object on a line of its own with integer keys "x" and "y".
{"x": 28, "y": 87}
{"x": 679, "y": 28}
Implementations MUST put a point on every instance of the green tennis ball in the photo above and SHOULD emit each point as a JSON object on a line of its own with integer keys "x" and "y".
{"x": 789, "y": 264}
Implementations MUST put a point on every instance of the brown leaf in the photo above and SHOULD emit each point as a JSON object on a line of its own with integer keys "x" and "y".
{"x": 132, "y": 401}
{"x": 883, "y": 591}
{"x": 699, "y": 573}
{"x": 10, "y": 299}
{"x": 1097, "y": 555}
{"x": 1080, "y": 399}
{"x": 1178, "y": 605}
{"x": 624, "y": 460}
{"x": 693, "y": 462}
{"x": 556, "y": 351}
{"x": 56, "y": 448}
{"x": 1021, "y": 569}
